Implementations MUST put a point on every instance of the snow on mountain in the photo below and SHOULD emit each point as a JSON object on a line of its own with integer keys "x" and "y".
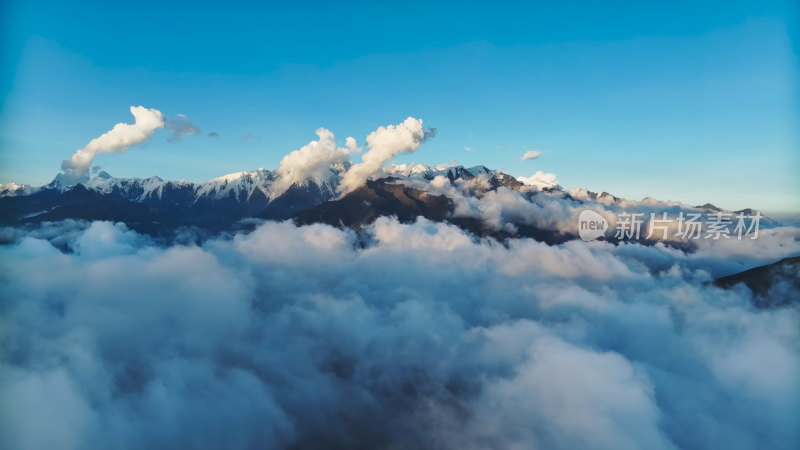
{"x": 408, "y": 170}
{"x": 479, "y": 176}
{"x": 475, "y": 193}
{"x": 239, "y": 185}
{"x": 12, "y": 189}
{"x": 418, "y": 171}
{"x": 540, "y": 180}
{"x": 242, "y": 185}
{"x": 136, "y": 189}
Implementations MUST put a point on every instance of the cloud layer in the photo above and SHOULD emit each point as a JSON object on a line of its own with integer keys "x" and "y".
{"x": 120, "y": 138}
{"x": 406, "y": 336}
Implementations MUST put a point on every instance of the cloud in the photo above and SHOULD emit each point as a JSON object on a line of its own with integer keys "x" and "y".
{"x": 213, "y": 134}
{"x": 469, "y": 149}
{"x": 119, "y": 139}
{"x": 384, "y": 143}
{"x": 403, "y": 336}
{"x": 251, "y": 137}
{"x": 312, "y": 162}
{"x": 540, "y": 180}
{"x": 181, "y": 126}
{"x": 530, "y": 154}
{"x": 430, "y": 133}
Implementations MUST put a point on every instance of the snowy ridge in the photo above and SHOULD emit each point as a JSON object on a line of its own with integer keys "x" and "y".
{"x": 12, "y": 189}
{"x": 132, "y": 188}
{"x": 414, "y": 170}
{"x": 238, "y": 184}
{"x": 242, "y": 185}
{"x": 478, "y": 192}
{"x": 477, "y": 174}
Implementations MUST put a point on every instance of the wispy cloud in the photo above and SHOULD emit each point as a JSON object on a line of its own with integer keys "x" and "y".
{"x": 181, "y": 126}
{"x": 251, "y": 137}
{"x": 531, "y": 154}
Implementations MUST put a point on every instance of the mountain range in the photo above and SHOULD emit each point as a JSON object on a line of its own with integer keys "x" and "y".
{"x": 160, "y": 207}
{"x": 153, "y": 205}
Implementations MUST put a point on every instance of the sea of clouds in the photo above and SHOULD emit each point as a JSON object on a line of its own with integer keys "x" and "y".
{"x": 403, "y": 336}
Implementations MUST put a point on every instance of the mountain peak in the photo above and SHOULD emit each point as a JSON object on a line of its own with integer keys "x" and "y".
{"x": 63, "y": 181}
{"x": 477, "y": 170}
{"x": 709, "y": 207}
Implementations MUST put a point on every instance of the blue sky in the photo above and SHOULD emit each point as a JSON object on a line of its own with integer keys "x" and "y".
{"x": 690, "y": 101}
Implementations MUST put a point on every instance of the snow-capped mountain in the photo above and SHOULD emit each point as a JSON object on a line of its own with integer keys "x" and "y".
{"x": 242, "y": 186}
{"x": 481, "y": 200}
{"x": 495, "y": 178}
{"x": 239, "y": 186}
{"x": 154, "y": 203}
{"x": 12, "y": 189}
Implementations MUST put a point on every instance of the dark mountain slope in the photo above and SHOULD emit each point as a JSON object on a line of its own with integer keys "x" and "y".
{"x": 385, "y": 197}
{"x": 773, "y": 285}
{"x": 81, "y": 203}
{"x": 294, "y": 200}
{"x": 375, "y": 199}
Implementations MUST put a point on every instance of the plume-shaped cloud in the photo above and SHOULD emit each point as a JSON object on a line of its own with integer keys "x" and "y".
{"x": 312, "y": 161}
{"x": 119, "y": 139}
{"x": 384, "y": 143}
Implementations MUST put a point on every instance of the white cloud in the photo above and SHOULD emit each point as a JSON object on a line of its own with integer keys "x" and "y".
{"x": 312, "y": 161}
{"x": 531, "y": 154}
{"x": 591, "y": 399}
{"x": 181, "y": 126}
{"x": 384, "y": 143}
{"x": 541, "y": 180}
{"x": 120, "y": 138}
{"x": 397, "y": 337}
{"x": 424, "y": 329}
